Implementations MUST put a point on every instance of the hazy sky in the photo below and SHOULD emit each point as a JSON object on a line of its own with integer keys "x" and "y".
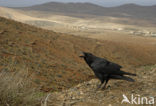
{"x": 106, "y": 3}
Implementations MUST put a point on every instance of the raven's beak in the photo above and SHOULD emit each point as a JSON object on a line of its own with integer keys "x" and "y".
{"x": 82, "y": 55}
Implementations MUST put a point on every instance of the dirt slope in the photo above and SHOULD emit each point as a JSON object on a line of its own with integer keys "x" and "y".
{"x": 52, "y": 58}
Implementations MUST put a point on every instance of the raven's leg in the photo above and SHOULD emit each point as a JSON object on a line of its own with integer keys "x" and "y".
{"x": 102, "y": 81}
{"x": 105, "y": 83}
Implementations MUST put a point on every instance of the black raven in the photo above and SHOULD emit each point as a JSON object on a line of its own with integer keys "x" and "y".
{"x": 105, "y": 70}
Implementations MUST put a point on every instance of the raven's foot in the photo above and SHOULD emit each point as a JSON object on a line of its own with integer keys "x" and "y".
{"x": 105, "y": 88}
{"x": 98, "y": 87}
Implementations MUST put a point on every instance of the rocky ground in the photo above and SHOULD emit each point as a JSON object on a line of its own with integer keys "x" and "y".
{"x": 85, "y": 94}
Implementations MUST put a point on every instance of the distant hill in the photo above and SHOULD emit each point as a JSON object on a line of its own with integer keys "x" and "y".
{"x": 135, "y": 11}
{"x": 79, "y": 9}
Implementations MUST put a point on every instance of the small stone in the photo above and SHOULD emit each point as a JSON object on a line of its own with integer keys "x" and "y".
{"x": 81, "y": 92}
{"x": 73, "y": 97}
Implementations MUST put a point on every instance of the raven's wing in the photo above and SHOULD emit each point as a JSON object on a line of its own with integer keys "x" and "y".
{"x": 106, "y": 67}
{"x": 114, "y": 65}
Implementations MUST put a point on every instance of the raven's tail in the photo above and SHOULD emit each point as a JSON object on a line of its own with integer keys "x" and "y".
{"x": 127, "y": 79}
{"x": 127, "y": 73}
{"x": 122, "y": 78}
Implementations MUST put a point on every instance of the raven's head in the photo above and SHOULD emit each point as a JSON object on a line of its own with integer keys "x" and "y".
{"x": 88, "y": 57}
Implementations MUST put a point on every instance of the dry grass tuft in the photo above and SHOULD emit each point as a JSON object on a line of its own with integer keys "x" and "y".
{"x": 16, "y": 89}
